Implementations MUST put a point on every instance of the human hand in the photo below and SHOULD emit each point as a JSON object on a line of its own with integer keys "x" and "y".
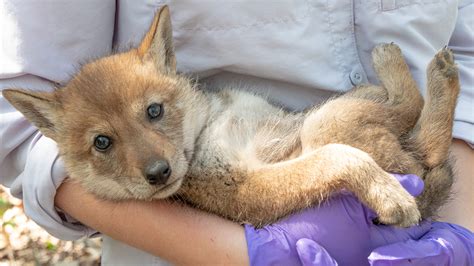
{"x": 344, "y": 227}
{"x": 443, "y": 244}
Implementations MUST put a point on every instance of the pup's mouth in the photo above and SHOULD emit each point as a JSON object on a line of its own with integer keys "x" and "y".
{"x": 168, "y": 189}
{"x": 169, "y": 185}
{"x": 148, "y": 192}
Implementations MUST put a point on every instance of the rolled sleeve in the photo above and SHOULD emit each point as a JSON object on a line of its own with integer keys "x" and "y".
{"x": 31, "y": 167}
{"x": 37, "y": 184}
{"x": 462, "y": 44}
{"x": 42, "y": 44}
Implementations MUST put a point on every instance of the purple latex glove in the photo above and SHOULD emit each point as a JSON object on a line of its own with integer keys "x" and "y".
{"x": 343, "y": 226}
{"x": 444, "y": 244}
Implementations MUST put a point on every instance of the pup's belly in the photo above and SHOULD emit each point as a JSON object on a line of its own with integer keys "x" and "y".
{"x": 250, "y": 132}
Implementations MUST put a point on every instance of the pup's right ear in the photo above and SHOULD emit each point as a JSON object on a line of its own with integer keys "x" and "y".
{"x": 40, "y": 108}
{"x": 157, "y": 45}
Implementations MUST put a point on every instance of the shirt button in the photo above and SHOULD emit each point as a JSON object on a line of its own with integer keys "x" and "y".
{"x": 356, "y": 77}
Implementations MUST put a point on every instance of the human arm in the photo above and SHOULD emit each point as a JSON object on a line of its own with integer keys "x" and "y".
{"x": 461, "y": 209}
{"x": 39, "y": 47}
{"x": 184, "y": 235}
{"x": 177, "y": 233}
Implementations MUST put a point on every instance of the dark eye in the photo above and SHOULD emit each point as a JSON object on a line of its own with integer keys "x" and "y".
{"x": 154, "y": 111}
{"x": 102, "y": 143}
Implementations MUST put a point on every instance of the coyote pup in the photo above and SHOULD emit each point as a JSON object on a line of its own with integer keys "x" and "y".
{"x": 128, "y": 126}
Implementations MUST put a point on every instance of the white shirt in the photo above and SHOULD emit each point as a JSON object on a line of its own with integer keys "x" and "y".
{"x": 298, "y": 53}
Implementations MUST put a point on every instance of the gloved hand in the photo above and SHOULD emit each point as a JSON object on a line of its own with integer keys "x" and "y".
{"x": 344, "y": 227}
{"x": 443, "y": 244}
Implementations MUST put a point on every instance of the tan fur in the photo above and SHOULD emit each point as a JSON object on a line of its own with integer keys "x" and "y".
{"x": 235, "y": 154}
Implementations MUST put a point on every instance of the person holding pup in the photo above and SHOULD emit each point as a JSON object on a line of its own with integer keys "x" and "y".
{"x": 297, "y": 54}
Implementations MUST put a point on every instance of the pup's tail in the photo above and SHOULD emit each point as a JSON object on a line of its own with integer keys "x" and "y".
{"x": 438, "y": 182}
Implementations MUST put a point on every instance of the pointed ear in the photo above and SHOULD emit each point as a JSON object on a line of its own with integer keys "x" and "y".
{"x": 40, "y": 108}
{"x": 157, "y": 45}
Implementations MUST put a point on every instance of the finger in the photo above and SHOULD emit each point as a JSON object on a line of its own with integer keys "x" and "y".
{"x": 444, "y": 244}
{"x": 412, "y": 183}
{"x": 381, "y": 235}
{"x": 311, "y": 253}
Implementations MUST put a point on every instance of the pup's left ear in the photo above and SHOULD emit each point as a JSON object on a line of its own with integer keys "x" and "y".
{"x": 157, "y": 45}
{"x": 40, "y": 108}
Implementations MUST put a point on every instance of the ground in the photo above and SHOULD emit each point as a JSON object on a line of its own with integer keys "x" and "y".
{"x": 22, "y": 242}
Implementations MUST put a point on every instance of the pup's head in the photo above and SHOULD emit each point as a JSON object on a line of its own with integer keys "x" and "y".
{"x": 119, "y": 122}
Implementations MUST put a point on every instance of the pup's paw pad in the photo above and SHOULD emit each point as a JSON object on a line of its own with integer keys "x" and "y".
{"x": 443, "y": 63}
{"x": 392, "y": 203}
{"x": 447, "y": 54}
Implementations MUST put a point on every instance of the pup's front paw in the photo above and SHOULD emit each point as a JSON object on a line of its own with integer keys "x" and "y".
{"x": 394, "y": 205}
{"x": 403, "y": 214}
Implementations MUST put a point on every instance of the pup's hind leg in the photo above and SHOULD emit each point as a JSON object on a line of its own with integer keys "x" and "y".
{"x": 377, "y": 94}
{"x": 395, "y": 77}
{"x": 361, "y": 123}
{"x": 432, "y": 134}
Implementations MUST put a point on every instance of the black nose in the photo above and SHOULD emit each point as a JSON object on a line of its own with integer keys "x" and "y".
{"x": 158, "y": 172}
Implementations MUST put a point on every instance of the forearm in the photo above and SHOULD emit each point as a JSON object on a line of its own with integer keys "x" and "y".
{"x": 177, "y": 233}
{"x": 461, "y": 209}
